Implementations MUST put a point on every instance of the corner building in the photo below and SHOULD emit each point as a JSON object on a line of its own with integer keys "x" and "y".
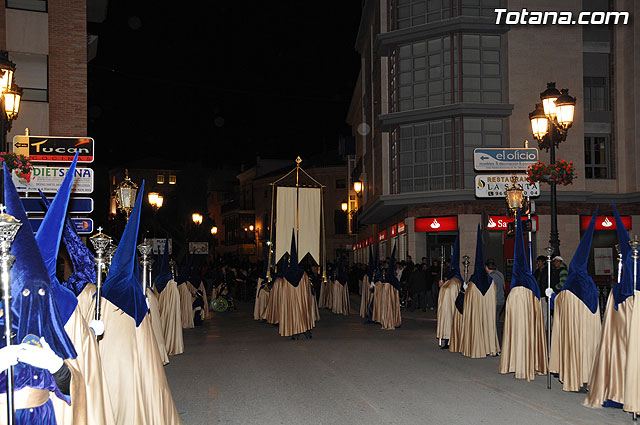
{"x": 440, "y": 78}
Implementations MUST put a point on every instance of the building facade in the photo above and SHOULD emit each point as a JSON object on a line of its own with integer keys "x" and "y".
{"x": 441, "y": 78}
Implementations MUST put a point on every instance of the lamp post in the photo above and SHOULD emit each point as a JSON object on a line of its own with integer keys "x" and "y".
{"x": 550, "y": 123}
{"x": 357, "y": 188}
{"x": 214, "y": 233}
{"x": 155, "y": 200}
{"x": 10, "y": 96}
{"x": 126, "y": 193}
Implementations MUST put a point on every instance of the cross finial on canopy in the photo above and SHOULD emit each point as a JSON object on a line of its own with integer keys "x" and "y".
{"x": 99, "y": 229}
{"x": 2, "y": 209}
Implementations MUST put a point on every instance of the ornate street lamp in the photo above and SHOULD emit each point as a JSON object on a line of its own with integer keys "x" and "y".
{"x": 126, "y": 193}
{"x": 357, "y": 188}
{"x": 214, "y": 230}
{"x": 10, "y": 96}
{"x": 159, "y": 201}
{"x": 515, "y": 196}
{"x": 344, "y": 206}
{"x": 152, "y": 197}
{"x": 197, "y": 218}
{"x": 558, "y": 108}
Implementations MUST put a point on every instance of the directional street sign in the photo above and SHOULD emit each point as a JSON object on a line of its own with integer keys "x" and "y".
{"x": 76, "y": 205}
{"x": 54, "y": 149}
{"x": 495, "y": 185}
{"x": 83, "y": 225}
{"x": 504, "y": 159}
{"x": 49, "y": 179}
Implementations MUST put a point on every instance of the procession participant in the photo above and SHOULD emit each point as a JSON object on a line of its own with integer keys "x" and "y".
{"x": 44, "y": 367}
{"x": 479, "y": 337}
{"x": 524, "y": 348}
{"x": 366, "y": 287}
{"x": 447, "y": 297}
{"x": 606, "y": 387}
{"x": 136, "y": 378}
{"x": 272, "y": 312}
{"x": 169, "y": 305}
{"x": 186, "y": 299}
{"x": 576, "y": 324}
{"x": 297, "y": 308}
{"x": 98, "y": 404}
{"x": 262, "y": 292}
{"x": 340, "y": 297}
{"x": 156, "y": 323}
{"x": 326, "y": 292}
{"x": 386, "y": 298}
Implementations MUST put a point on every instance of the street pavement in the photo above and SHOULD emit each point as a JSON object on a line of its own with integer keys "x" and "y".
{"x": 238, "y": 371}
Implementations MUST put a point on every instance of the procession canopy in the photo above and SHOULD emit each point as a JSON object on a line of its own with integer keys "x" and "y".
{"x": 298, "y": 207}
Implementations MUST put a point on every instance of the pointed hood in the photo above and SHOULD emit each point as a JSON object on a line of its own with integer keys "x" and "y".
{"x": 82, "y": 260}
{"x": 623, "y": 289}
{"x": 480, "y": 276}
{"x": 48, "y": 239}
{"x": 122, "y": 286}
{"x": 164, "y": 271}
{"x": 578, "y": 281}
{"x": 341, "y": 275}
{"x": 371, "y": 266}
{"x": 294, "y": 272}
{"x": 522, "y": 275}
{"x": 185, "y": 270}
{"x": 454, "y": 267}
{"x": 390, "y": 275}
{"x": 33, "y": 307}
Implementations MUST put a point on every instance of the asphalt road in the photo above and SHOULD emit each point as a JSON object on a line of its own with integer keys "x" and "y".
{"x": 239, "y": 371}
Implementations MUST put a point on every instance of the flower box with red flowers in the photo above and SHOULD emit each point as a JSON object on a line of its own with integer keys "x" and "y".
{"x": 19, "y": 164}
{"x": 561, "y": 172}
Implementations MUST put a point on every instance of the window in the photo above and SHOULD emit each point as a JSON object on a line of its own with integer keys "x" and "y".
{"x": 424, "y": 76}
{"x": 481, "y": 74}
{"x": 410, "y": 13}
{"x": 596, "y": 94}
{"x": 423, "y": 157}
{"x": 172, "y": 179}
{"x": 480, "y": 7}
{"x": 340, "y": 222}
{"x": 341, "y": 183}
{"x": 32, "y": 71}
{"x": 427, "y": 73}
{"x": 160, "y": 179}
{"x": 597, "y": 157}
{"x": 34, "y": 5}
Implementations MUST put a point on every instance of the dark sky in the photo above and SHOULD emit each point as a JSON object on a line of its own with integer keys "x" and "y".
{"x": 224, "y": 82}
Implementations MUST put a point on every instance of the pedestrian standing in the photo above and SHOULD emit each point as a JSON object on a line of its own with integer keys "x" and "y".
{"x": 498, "y": 280}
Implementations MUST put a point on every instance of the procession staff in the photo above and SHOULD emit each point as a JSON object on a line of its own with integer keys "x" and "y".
{"x": 35, "y": 320}
{"x": 136, "y": 378}
{"x": 607, "y": 379}
{"x": 447, "y": 297}
{"x": 524, "y": 349}
{"x": 98, "y": 408}
{"x": 576, "y": 323}
{"x": 169, "y": 305}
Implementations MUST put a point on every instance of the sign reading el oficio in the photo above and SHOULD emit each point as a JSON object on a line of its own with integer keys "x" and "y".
{"x": 507, "y": 159}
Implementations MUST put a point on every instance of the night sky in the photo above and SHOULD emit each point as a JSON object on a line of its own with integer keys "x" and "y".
{"x": 223, "y": 83}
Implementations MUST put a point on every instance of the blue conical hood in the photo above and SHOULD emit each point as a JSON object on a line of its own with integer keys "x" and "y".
{"x": 84, "y": 269}
{"x": 454, "y": 267}
{"x": 185, "y": 270}
{"x": 371, "y": 265}
{"x": 164, "y": 271}
{"x": 341, "y": 276}
{"x": 390, "y": 275}
{"x": 521, "y": 272}
{"x": 33, "y": 307}
{"x": 578, "y": 281}
{"x": 48, "y": 239}
{"x": 479, "y": 276}
{"x": 623, "y": 289}
{"x": 294, "y": 272}
{"x": 122, "y": 286}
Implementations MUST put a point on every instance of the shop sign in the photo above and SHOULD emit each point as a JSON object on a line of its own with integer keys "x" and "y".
{"x": 436, "y": 224}
{"x": 382, "y": 236}
{"x": 495, "y": 185}
{"x": 394, "y": 230}
{"x": 505, "y": 159}
{"x": 49, "y": 179}
{"x": 605, "y": 222}
{"x": 54, "y": 149}
{"x": 83, "y": 225}
{"x": 500, "y": 222}
{"x": 370, "y": 240}
{"x": 603, "y": 261}
{"x": 401, "y": 228}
